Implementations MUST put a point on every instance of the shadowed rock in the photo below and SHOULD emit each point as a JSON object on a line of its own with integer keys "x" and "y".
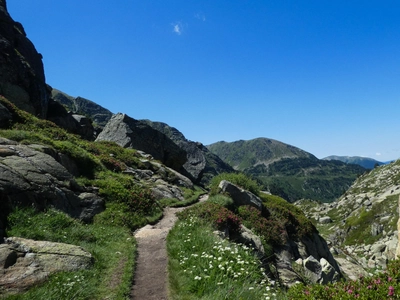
{"x": 22, "y": 79}
{"x": 201, "y": 164}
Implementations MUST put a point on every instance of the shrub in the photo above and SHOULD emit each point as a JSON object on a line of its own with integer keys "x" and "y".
{"x": 119, "y": 214}
{"x": 222, "y": 200}
{"x": 106, "y": 149}
{"x": 271, "y": 231}
{"x": 239, "y": 179}
{"x": 296, "y": 223}
{"x": 111, "y": 163}
{"x": 128, "y": 203}
{"x": 217, "y": 215}
{"x": 87, "y": 164}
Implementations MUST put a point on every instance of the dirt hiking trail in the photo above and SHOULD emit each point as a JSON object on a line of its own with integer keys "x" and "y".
{"x": 150, "y": 280}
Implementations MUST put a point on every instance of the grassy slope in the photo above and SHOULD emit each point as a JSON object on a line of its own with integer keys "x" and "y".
{"x": 109, "y": 238}
{"x": 287, "y": 171}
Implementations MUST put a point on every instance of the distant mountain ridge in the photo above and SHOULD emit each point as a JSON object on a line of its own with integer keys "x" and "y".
{"x": 288, "y": 171}
{"x": 245, "y": 154}
{"x": 366, "y": 162}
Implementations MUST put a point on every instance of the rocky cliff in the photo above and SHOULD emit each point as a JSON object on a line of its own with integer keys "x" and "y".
{"x": 82, "y": 106}
{"x": 362, "y": 224}
{"x": 166, "y": 144}
{"x": 131, "y": 133}
{"x": 201, "y": 164}
{"x": 22, "y": 78}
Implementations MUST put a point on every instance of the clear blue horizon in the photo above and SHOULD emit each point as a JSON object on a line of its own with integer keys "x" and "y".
{"x": 319, "y": 75}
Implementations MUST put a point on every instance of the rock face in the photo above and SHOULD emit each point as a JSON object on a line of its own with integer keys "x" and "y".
{"x": 364, "y": 222}
{"x": 130, "y": 133}
{"x": 22, "y": 79}
{"x": 30, "y": 177}
{"x": 73, "y": 123}
{"x": 313, "y": 259}
{"x": 25, "y": 263}
{"x": 201, "y": 164}
{"x": 82, "y": 106}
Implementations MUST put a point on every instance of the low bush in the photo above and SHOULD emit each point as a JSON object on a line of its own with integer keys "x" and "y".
{"x": 271, "y": 231}
{"x": 128, "y": 204}
{"x": 296, "y": 223}
{"x": 220, "y": 217}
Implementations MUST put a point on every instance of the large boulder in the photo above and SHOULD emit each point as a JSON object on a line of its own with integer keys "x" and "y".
{"x": 239, "y": 195}
{"x": 130, "y": 133}
{"x": 201, "y": 164}
{"x": 30, "y": 177}
{"x": 22, "y": 78}
{"x": 25, "y": 263}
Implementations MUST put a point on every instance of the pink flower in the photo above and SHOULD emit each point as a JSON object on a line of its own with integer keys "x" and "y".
{"x": 350, "y": 291}
{"x": 391, "y": 291}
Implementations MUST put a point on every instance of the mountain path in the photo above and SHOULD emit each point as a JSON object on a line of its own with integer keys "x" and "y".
{"x": 150, "y": 280}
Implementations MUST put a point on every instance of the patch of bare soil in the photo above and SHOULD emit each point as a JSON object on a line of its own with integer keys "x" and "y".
{"x": 150, "y": 281}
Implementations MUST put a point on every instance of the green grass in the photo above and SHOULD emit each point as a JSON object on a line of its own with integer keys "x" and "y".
{"x": 129, "y": 205}
{"x": 202, "y": 266}
{"x": 112, "y": 247}
{"x": 222, "y": 200}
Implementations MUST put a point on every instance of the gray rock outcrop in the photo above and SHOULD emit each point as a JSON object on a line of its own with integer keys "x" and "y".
{"x": 248, "y": 237}
{"x": 363, "y": 229}
{"x": 239, "y": 195}
{"x": 83, "y": 106}
{"x": 201, "y": 164}
{"x": 22, "y": 79}
{"x": 130, "y": 133}
{"x": 317, "y": 262}
{"x": 30, "y": 177}
{"x": 25, "y": 263}
{"x": 74, "y": 123}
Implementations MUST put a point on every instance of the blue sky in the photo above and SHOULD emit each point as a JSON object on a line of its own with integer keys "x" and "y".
{"x": 323, "y": 76}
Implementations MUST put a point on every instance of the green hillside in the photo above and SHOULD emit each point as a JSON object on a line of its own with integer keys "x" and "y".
{"x": 288, "y": 171}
